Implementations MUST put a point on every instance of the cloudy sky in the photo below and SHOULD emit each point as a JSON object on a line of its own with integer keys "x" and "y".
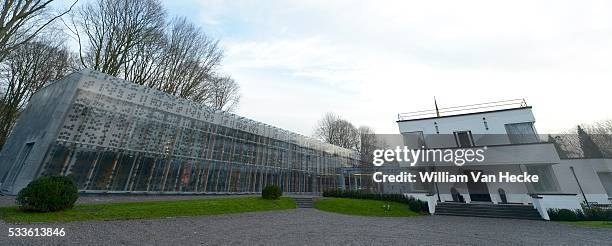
{"x": 369, "y": 60}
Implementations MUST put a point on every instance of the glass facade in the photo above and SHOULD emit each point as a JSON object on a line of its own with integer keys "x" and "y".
{"x": 120, "y": 137}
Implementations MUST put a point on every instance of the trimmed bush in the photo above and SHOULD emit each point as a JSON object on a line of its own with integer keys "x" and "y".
{"x": 271, "y": 192}
{"x": 563, "y": 214}
{"x": 414, "y": 204}
{"x": 592, "y": 214}
{"x": 48, "y": 193}
{"x": 598, "y": 214}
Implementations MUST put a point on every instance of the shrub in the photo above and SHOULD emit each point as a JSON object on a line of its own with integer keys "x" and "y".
{"x": 594, "y": 213}
{"x": 271, "y": 192}
{"x": 563, "y": 215}
{"x": 414, "y": 204}
{"x": 599, "y": 214}
{"x": 48, "y": 193}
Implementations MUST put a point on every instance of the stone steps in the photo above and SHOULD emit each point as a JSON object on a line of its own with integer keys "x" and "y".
{"x": 488, "y": 210}
{"x": 303, "y": 202}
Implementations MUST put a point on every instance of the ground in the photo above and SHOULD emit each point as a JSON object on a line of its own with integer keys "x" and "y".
{"x": 314, "y": 227}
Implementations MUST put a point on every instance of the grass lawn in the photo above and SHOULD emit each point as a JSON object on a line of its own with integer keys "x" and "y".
{"x": 150, "y": 209}
{"x": 363, "y": 207}
{"x": 601, "y": 224}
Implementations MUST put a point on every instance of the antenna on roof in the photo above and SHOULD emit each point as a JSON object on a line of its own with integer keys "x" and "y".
{"x": 437, "y": 110}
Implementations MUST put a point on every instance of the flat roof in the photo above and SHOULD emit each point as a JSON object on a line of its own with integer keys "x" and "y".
{"x": 464, "y": 114}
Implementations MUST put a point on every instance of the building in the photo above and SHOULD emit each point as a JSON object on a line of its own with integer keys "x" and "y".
{"x": 512, "y": 143}
{"x": 115, "y": 136}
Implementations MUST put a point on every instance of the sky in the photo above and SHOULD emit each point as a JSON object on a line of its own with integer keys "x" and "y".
{"x": 370, "y": 60}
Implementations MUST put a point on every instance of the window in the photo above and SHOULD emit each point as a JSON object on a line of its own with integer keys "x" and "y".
{"x": 464, "y": 138}
{"x": 520, "y": 133}
{"x": 414, "y": 139}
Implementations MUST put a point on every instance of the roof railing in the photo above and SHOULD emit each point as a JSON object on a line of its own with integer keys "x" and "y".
{"x": 470, "y": 108}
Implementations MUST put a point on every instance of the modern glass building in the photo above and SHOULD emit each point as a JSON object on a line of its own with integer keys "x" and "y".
{"x": 116, "y": 136}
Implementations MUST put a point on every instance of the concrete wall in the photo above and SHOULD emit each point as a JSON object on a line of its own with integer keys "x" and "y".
{"x": 496, "y": 121}
{"x": 586, "y": 170}
{"x": 39, "y": 123}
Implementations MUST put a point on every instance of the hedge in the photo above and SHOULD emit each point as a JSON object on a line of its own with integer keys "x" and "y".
{"x": 593, "y": 214}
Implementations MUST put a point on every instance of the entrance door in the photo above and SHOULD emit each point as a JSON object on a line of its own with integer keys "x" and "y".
{"x": 11, "y": 175}
{"x": 478, "y": 190}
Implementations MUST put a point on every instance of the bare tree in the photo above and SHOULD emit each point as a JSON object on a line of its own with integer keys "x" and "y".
{"x": 144, "y": 66}
{"x": 601, "y": 134}
{"x": 585, "y": 141}
{"x": 111, "y": 29}
{"x": 368, "y": 142}
{"x": 224, "y": 93}
{"x": 132, "y": 39}
{"x": 22, "y": 20}
{"x": 337, "y": 131}
{"x": 189, "y": 60}
{"x": 27, "y": 69}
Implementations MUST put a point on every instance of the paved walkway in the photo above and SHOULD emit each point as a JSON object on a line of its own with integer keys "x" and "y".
{"x": 313, "y": 227}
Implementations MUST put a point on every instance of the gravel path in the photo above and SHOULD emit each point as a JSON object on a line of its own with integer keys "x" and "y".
{"x": 313, "y": 227}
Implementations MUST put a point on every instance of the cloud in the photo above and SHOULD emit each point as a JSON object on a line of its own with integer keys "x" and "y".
{"x": 370, "y": 60}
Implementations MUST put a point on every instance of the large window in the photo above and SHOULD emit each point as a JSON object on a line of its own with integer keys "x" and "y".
{"x": 82, "y": 165}
{"x": 520, "y": 133}
{"x": 122, "y": 172}
{"x": 103, "y": 171}
{"x": 56, "y": 159}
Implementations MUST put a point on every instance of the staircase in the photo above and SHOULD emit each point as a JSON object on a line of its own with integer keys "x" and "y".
{"x": 303, "y": 202}
{"x": 510, "y": 211}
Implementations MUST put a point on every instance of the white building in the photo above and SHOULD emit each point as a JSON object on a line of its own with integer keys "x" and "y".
{"x": 506, "y": 132}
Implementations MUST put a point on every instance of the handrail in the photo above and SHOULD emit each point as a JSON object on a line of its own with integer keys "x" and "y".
{"x": 470, "y": 108}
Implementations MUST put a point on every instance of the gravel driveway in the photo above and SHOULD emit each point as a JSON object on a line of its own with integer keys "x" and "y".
{"x": 313, "y": 227}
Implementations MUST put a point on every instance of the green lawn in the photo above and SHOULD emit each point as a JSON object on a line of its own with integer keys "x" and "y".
{"x": 363, "y": 207}
{"x": 601, "y": 224}
{"x": 150, "y": 209}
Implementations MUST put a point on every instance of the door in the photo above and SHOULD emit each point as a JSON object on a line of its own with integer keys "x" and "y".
{"x": 12, "y": 174}
{"x": 478, "y": 190}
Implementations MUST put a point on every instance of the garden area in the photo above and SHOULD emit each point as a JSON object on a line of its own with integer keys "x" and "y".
{"x": 149, "y": 210}
{"x": 364, "y": 207}
{"x": 52, "y": 199}
{"x": 370, "y": 204}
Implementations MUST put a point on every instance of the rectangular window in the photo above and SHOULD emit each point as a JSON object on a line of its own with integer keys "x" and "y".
{"x": 464, "y": 138}
{"x": 520, "y": 133}
{"x": 414, "y": 140}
